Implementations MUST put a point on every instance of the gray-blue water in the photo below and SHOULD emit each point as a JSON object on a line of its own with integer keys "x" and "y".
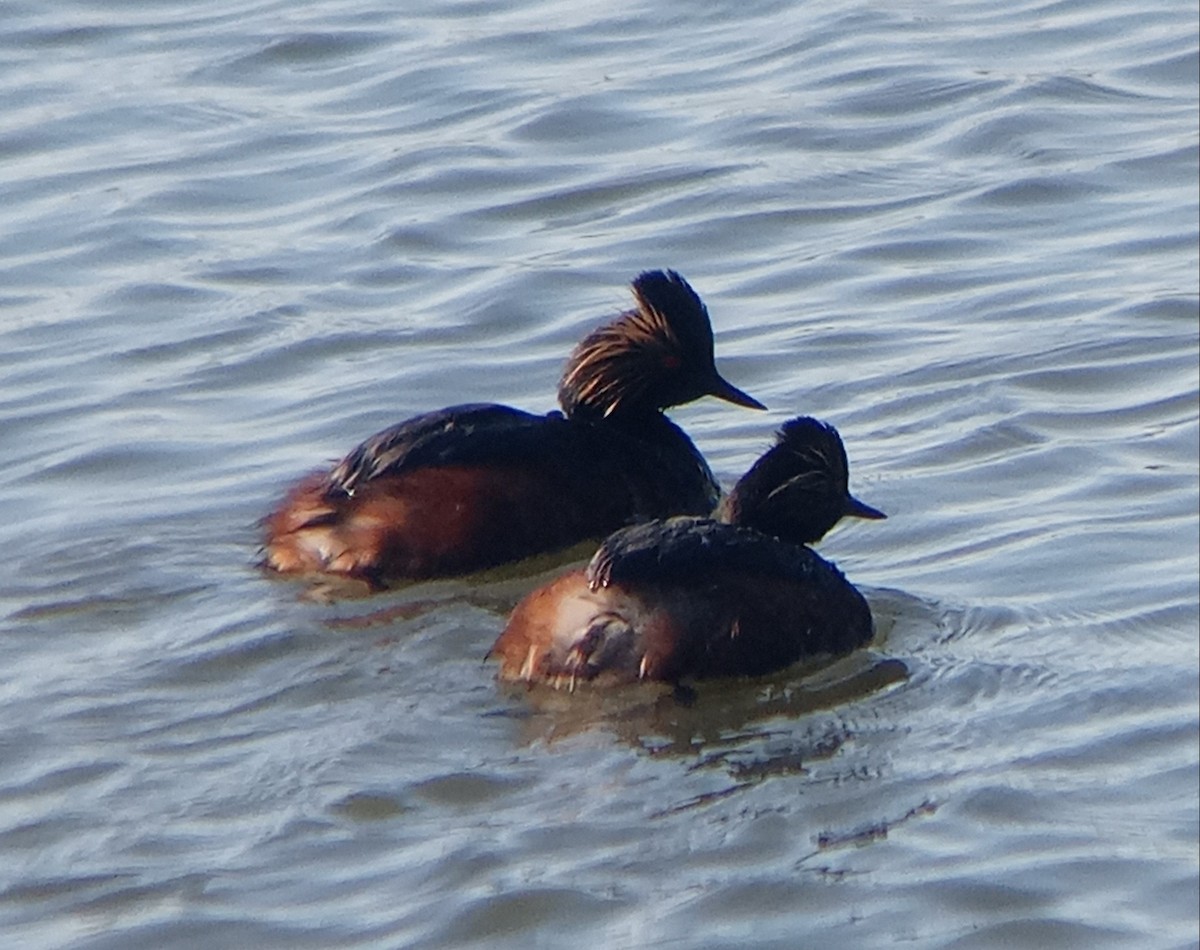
{"x": 237, "y": 237}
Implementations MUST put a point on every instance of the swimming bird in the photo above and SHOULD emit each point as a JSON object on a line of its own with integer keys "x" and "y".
{"x": 690, "y": 597}
{"x": 477, "y": 485}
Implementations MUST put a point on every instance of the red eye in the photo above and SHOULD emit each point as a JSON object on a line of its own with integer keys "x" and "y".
{"x": 671, "y": 362}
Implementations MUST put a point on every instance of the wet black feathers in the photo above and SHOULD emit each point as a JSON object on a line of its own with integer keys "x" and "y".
{"x": 474, "y": 433}
{"x": 687, "y": 550}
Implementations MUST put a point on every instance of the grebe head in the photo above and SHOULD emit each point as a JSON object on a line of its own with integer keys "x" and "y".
{"x": 799, "y": 489}
{"x": 657, "y": 355}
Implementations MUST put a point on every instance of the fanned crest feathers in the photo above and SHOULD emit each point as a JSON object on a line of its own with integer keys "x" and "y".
{"x": 659, "y": 354}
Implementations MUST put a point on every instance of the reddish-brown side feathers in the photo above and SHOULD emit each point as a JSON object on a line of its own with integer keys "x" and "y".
{"x": 429, "y": 522}
{"x": 535, "y": 628}
{"x": 291, "y": 531}
{"x": 566, "y": 633}
{"x": 741, "y": 624}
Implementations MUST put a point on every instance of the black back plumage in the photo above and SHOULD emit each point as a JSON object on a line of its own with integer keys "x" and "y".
{"x": 613, "y": 390}
{"x": 791, "y": 496}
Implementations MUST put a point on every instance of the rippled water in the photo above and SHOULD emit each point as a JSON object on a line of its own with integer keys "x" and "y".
{"x": 238, "y": 237}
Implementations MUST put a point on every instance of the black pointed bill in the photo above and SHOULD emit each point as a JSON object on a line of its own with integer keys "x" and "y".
{"x": 723, "y": 389}
{"x": 858, "y": 509}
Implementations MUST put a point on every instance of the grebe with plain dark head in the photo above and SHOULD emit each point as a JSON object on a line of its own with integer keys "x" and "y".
{"x": 688, "y": 597}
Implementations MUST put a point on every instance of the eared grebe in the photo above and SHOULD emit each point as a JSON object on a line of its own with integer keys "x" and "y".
{"x": 478, "y": 485}
{"x": 698, "y": 597}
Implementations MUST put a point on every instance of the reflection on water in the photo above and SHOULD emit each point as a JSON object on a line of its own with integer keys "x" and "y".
{"x": 693, "y": 720}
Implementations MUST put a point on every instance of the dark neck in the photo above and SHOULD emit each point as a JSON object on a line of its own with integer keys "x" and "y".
{"x": 658, "y": 457}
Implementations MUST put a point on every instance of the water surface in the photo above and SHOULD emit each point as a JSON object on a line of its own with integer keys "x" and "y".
{"x": 238, "y": 238}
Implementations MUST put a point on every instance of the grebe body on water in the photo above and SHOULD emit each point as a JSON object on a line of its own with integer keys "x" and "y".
{"x": 477, "y": 485}
{"x": 688, "y": 597}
